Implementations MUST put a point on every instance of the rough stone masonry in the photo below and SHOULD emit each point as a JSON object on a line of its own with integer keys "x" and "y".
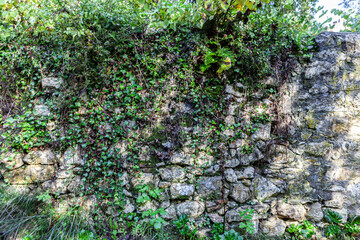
{"x": 318, "y": 169}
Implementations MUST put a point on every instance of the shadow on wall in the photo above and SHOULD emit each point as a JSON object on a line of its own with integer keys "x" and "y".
{"x": 321, "y": 166}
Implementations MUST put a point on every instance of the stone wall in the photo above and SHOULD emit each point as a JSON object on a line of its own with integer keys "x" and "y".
{"x": 283, "y": 181}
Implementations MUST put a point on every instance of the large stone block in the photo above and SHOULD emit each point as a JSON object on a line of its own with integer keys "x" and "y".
{"x": 192, "y": 209}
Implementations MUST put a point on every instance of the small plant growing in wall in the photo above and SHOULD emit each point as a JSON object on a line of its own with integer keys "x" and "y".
{"x": 339, "y": 229}
{"x": 247, "y": 225}
{"x": 182, "y": 225}
{"x": 305, "y": 230}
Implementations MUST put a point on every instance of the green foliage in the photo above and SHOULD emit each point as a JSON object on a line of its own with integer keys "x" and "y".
{"x": 350, "y": 18}
{"x": 217, "y": 230}
{"x": 305, "y": 230}
{"x": 27, "y": 216}
{"x": 230, "y": 235}
{"x": 118, "y": 60}
{"x": 182, "y": 225}
{"x": 247, "y": 225}
{"x": 339, "y": 229}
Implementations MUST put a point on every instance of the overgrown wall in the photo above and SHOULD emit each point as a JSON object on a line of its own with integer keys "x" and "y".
{"x": 315, "y": 166}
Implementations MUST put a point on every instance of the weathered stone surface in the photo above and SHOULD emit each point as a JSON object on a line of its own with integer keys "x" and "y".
{"x": 273, "y": 226}
{"x": 263, "y": 188}
{"x": 30, "y": 174}
{"x": 292, "y": 212}
{"x": 145, "y": 179}
{"x": 232, "y": 163}
{"x": 40, "y": 158}
{"x": 315, "y": 212}
{"x": 170, "y": 213}
{"x": 181, "y": 191}
{"x": 263, "y": 132}
{"x": 210, "y": 186}
{"x": 59, "y": 186}
{"x": 191, "y": 208}
{"x": 240, "y": 193}
{"x": 204, "y": 159}
{"x": 12, "y": 160}
{"x": 41, "y": 110}
{"x": 319, "y": 149}
{"x": 244, "y": 173}
{"x": 129, "y": 208}
{"x": 230, "y": 175}
{"x": 51, "y": 83}
{"x": 182, "y": 159}
{"x": 233, "y": 216}
{"x": 72, "y": 157}
{"x": 216, "y": 218}
{"x": 172, "y": 174}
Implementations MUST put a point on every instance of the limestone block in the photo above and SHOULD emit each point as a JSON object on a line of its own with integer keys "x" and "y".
{"x": 319, "y": 149}
{"x": 315, "y": 212}
{"x": 273, "y": 226}
{"x": 51, "y": 83}
{"x": 46, "y": 157}
{"x": 181, "y": 191}
{"x": 216, "y": 218}
{"x": 129, "y": 208}
{"x": 248, "y": 172}
{"x": 210, "y": 186}
{"x": 230, "y": 175}
{"x": 145, "y": 179}
{"x": 41, "y": 110}
{"x": 149, "y": 205}
{"x": 12, "y": 160}
{"x": 192, "y": 209}
{"x": 170, "y": 213}
{"x": 72, "y": 157}
{"x": 292, "y": 212}
{"x": 204, "y": 159}
{"x": 263, "y": 188}
{"x": 182, "y": 159}
{"x": 172, "y": 174}
{"x": 30, "y": 174}
{"x": 232, "y": 163}
{"x": 240, "y": 193}
{"x": 263, "y": 132}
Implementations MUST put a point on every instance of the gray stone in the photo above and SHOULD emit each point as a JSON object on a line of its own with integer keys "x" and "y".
{"x": 172, "y": 174}
{"x": 248, "y": 172}
{"x": 145, "y": 179}
{"x": 216, "y": 218}
{"x": 72, "y": 157}
{"x": 240, "y": 193}
{"x": 263, "y": 188}
{"x": 129, "y": 208}
{"x": 182, "y": 159}
{"x": 204, "y": 160}
{"x": 247, "y": 159}
{"x": 41, "y": 110}
{"x": 273, "y": 226}
{"x": 40, "y": 158}
{"x": 315, "y": 212}
{"x": 212, "y": 170}
{"x": 181, "y": 191}
{"x": 170, "y": 213}
{"x": 210, "y": 187}
{"x": 232, "y": 163}
{"x": 230, "y": 90}
{"x": 12, "y": 160}
{"x": 263, "y": 132}
{"x": 292, "y": 212}
{"x": 30, "y": 174}
{"x": 230, "y": 175}
{"x": 51, "y": 83}
{"x": 233, "y": 216}
{"x": 192, "y": 209}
